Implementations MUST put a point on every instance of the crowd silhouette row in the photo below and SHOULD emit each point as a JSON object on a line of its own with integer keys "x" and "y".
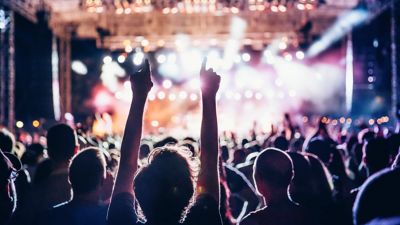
{"x": 274, "y": 178}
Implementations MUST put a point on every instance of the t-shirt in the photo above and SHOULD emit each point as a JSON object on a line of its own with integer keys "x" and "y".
{"x": 204, "y": 212}
{"x": 75, "y": 213}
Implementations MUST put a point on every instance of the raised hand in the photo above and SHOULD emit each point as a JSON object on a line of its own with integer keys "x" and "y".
{"x": 141, "y": 83}
{"x": 210, "y": 80}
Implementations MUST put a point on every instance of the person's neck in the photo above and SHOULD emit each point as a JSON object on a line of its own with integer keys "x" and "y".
{"x": 278, "y": 197}
{"x": 61, "y": 165}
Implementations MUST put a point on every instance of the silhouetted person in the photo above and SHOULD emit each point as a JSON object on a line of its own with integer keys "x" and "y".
{"x": 7, "y": 141}
{"x": 273, "y": 173}
{"x": 378, "y": 198}
{"x": 376, "y": 155}
{"x": 87, "y": 175}
{"x": 164, "y": 189}
{"x": 9, "y": 166}
{"x": 53, "y": 186}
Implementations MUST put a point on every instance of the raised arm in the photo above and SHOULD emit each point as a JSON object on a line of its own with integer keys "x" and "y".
{"x": 208, "y": 179}
{"x": 141, "y": 85}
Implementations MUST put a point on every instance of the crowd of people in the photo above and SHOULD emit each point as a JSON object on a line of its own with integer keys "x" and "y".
{"x": 283, "y": 177}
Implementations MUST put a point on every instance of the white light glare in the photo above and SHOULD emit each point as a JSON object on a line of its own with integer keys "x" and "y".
{"x": 78, "y": 67}
{"x": 167, "y": 84}
{"x": 107, "y": 59}
{"x": 300, "y": 55}
{"x": 121, "y": 59}
{"x": 138, "y": 58}
{"x": 246, "y": 57}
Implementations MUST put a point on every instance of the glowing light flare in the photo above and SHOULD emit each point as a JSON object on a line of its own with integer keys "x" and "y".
{"x": 138, "y": 58}
{"x": 19, "y": 124}
{"x": 167, "y": 84}
{"x": 68, "y": 116}
{"x": 246, "y": 57}
{"x": 107, "y": 59}
{"x": 193, "y": 97}
{"x": 36, "y": 123}
{"x": 340, "y": 28}
{"x": 300, "y": 55}
{"x": 102, "y": 101}
{"x": 79, "y": 67}
{"x": 161, "y": 95}
{"x": 121, "y": 58}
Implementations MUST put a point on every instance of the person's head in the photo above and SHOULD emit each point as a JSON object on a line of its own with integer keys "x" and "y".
{"x": 87, "y": 172}
{"x": 281, "y": 142}
{"x": 239, "y": 156}
{"x": 7, "y": 140}
{"x": 321, "y": 180}
{"x": 165, "y": 186}
{"x": 272, "y": 173}
{"x": 62, "y": 143}
{"x": 376, "y": 155}
{"x": 165, "y": 141}
{"x": 144, "y": 151}
{"x": 224, "y": 153}
{"x": 320, "y": 148}
{"x": 379, "y": 197}
{"x": 33, "y": 154}
{"x": 300, "y": 187}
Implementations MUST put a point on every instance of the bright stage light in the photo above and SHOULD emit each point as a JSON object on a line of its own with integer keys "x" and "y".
{"x": 138, "y": 58}
{"x": 246, "y": 57}
{"x": 36, "y": 123}
{"x": 183, "y": 95}
{"x": 300, "y": 55}
{"x": 107, "y": 59}
{"x": 282, "y": 45}
{"x": 194, "y": 84}
{"x": 155, "y": 123}
{"x": 19, "y": 124}
{"x": 161, "y": 58}
{"x": 288, "y": 56}
{"x": 342, "y": 26}
{"x": 78, "y": 67}
{"x": 172, "y": 97}
{"x": 167, "y": 84}
{"x": 110, "y": 74}
{"x": 187, "y": 58}
{"x": 68, "y": 116}
{"x": 161, "y": 95}
{"x": 128, "y": 49}
{"x": 213, "y": 59}
{"x": 248, "y": 94}
{"x": 121, "y": 58}
{"x": 371, "y": 79}
{"x": 152, "y": 96}
{"x": 237, "y": 96}
{"x": 144, "y": 42}
{"x": 193, "y": 97}
{"x": 268, "y": 57}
